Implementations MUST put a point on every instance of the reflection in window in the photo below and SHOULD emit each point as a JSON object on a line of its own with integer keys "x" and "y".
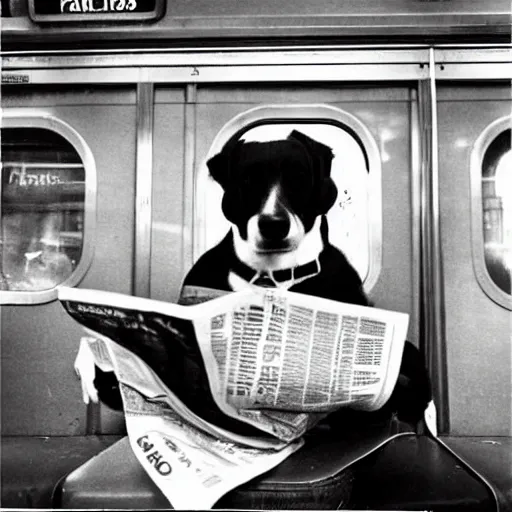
{"x": 42, "y": 209}
{"x": 497, "y": 210}
{"x": 348, "y": 218}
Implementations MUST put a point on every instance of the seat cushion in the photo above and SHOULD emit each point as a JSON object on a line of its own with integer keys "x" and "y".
{"x": 491, "y": 457}
{"x": 314, "y": 477}
{"x": 418, "y": 473}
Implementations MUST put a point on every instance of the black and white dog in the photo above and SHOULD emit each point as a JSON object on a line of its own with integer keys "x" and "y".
{"x": 276, "y": 196}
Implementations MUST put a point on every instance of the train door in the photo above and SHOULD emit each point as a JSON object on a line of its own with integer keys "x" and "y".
{"x": 359, "y": 124}
{"x": 373, "y": 132}
{"x": 475, "y": 184}
{"x": 68, "y": 159}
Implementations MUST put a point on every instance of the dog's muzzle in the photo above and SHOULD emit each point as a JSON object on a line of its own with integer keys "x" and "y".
{"x": 274, "y": 228}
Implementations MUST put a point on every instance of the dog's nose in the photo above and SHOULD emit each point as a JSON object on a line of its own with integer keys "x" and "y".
{"x": 274, "y": 227}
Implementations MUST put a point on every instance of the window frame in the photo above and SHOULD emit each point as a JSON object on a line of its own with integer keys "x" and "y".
{"x": 307, "y": 113}
{"x": 33, "y": 118}
{"x": 482, "y": 143}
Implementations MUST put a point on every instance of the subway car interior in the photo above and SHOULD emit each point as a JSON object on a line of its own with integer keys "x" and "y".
{"x": 110, "y": 111}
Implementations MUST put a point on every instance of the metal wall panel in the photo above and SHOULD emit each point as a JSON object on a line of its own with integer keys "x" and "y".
{"x": 478, "y": 331}
{"x": 266, "y": 18}
{"x": 169, "y": 199}
{"x": 40, "y": 392}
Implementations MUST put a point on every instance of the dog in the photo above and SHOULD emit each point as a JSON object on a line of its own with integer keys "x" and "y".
{"x": 276, "y": 196}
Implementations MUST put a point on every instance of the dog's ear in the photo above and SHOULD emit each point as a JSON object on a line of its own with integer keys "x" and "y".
{"x": 221, "y": 165}
{"x": 321, "y": 157}
{"x": 321, "y": 154}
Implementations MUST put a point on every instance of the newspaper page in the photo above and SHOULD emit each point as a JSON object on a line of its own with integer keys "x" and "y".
{"x": 193, "y": 463}
{"x": 276, "y": 360}
{"x": 282, "y": 360}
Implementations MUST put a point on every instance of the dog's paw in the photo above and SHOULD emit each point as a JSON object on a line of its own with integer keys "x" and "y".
{"x": 85, "y": 370}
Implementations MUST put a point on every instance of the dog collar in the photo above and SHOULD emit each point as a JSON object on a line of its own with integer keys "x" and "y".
{"x": 272, "y": 278}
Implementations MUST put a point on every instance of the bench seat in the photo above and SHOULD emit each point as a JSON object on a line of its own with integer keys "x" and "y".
{"x": 409, "y": 472}
{"x": 31, "y": 466}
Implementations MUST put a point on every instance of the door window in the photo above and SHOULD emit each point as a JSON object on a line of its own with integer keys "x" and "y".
{"x": 43, "y": 196}
{"x": 355, "y": 219}
{"x": 497, "y": 210}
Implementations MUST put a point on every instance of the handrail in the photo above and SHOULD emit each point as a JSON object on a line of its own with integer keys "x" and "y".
{"x": 432, "y": 321}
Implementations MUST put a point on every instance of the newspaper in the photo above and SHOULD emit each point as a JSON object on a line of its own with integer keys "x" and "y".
{"x": 192, "y": 462}
{"x": 276, "y": 360}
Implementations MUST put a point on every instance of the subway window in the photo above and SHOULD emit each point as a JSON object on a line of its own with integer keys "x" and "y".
{"x": 491, "y": 211}
{"x": 42, "y": 209}
{"x": 354, "y": 226}
{"x": 497, "y": 210}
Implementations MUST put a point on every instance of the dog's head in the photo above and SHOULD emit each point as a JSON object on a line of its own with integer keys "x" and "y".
{"x": 274, "y": 191}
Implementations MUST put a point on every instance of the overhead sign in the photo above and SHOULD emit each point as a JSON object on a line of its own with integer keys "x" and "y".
{"x": 95, "y": 10}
